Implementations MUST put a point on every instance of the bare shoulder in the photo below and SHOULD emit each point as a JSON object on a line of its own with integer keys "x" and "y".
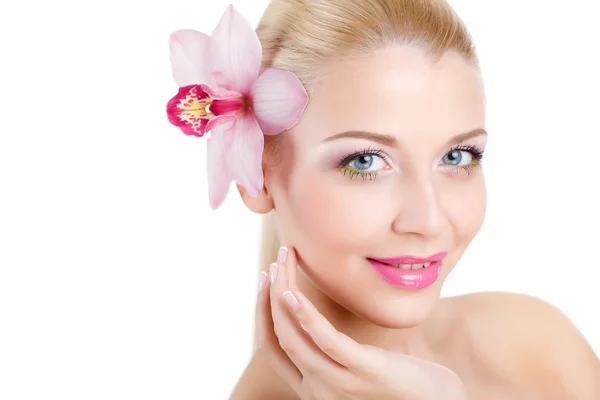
{"x": 530, "y": 343}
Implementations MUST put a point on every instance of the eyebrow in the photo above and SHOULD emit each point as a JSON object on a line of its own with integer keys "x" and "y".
{"x": 391, "y": 141}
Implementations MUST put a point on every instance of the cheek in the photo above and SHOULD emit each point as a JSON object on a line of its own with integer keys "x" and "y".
{"x": 336, "y": 212}
{"x": 466, "y": 204}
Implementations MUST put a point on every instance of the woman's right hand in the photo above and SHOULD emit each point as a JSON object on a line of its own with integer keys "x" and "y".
{"x": 319, "y": 362}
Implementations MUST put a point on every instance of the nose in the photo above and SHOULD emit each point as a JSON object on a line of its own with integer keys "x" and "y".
{"x": 420, "y": 211}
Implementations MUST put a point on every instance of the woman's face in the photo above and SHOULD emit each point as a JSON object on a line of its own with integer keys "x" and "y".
{"x": 383, "y": 163}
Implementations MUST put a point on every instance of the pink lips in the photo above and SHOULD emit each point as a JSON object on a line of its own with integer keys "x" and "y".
{"x": 406, "y": 278}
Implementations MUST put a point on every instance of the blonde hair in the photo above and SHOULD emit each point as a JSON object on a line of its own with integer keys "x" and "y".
{"x": 298, "y": 35}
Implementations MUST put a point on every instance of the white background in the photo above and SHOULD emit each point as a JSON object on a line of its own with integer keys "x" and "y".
{"x": 116, "y": 279}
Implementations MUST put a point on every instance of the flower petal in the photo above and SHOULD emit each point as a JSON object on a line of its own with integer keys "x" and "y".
{"x": 219, "y": 178}
{"x": 278, "y": 99}
{"x": 235, "y": 52}
{"x": 220, "y": 94}
{"x": 214, "y": 122}
{"x": 187, "y": 110}
{"x": 189, "y": 57}
{"x": 244, "y": 156}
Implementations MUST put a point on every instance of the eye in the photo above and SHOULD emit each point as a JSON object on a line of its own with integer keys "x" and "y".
{"x": 365, "y": 164}
{"x": 368, "y": 162}
{"x": 463, "y": 158}
{"x": 458, "y": 158}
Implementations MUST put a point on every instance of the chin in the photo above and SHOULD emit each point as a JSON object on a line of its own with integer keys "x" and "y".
{"x": 387, "y": 306}
{"x": 397, "y": 309}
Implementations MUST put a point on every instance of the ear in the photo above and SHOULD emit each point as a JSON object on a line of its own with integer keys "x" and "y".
{"x": 261, "y": 204}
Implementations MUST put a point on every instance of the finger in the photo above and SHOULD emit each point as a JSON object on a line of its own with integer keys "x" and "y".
{"x": 268, "y": 344}
{"x": 335, "y": 344}
{"x": 299, "y": 347}
{"x": 293, "y": 265}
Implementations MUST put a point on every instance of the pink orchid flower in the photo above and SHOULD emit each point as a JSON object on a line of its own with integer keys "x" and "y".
{"x": 224, "y": 90}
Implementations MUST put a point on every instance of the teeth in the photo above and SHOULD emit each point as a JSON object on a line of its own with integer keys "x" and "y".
{"x": 412, "y": 266}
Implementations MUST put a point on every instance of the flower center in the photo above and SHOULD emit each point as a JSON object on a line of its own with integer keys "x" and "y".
{"x": 228, "y": 106}
{"x": 194, "y": 107}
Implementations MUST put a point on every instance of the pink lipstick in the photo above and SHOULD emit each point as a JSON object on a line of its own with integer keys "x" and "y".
{"x": 409, "y": 272}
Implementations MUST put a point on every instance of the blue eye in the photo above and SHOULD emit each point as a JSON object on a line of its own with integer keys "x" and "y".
{"x": 463, "y": 158}
{"x": 366, "y": 164}
{"x": 458, "y": 158}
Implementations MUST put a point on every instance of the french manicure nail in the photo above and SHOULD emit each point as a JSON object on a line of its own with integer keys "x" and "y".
{"x": 282, "y": 254}
{"x": 273, "y": 272}
{"x": 291, "y": 299}
{"x": 262, "y": 279}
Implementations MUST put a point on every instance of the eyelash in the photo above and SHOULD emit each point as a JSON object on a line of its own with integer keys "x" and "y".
{"x": 477, "y": 157}
{"x": 352, "y": 173}
{"x": 476, "y": 153}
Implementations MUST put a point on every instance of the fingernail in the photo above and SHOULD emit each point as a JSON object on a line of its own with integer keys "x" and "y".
{"x": 262, "y": 279}
{"x": 291, "y": 299}
{"x": 273, "y": 272}
{"x": 282, "y": 254}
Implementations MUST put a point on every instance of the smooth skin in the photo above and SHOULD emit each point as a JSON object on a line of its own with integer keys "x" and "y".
{"x": 319, "y": 362}
{"x": 300, "y": 355}
{"x": 415, "y": 200}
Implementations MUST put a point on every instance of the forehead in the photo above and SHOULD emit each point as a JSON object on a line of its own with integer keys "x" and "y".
{"x": 395, "y": 91}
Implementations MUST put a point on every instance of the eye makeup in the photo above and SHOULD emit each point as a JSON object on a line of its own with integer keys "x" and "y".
{"x": 475, "y": 154}
{"x": 350, "y": 164}
{"x": 347, "y": 165}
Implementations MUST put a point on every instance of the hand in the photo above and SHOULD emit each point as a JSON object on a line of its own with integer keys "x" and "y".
{"x": 319, "y": 362}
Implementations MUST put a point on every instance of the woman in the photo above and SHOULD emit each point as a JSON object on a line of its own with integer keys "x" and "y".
{"x": 376, "y": 192}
